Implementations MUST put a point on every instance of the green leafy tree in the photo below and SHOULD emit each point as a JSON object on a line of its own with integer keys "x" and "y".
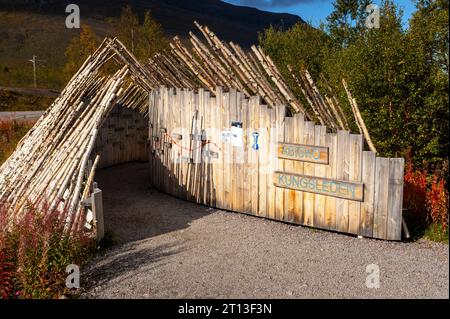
{"x": 400, "y": 86}
{"x": 430, "y": 31}
{"x": 151, "y": 38}
{"x": 79, "y": 49}
{"x": 375, "y": 68}
{"x": 347, "y": 21}
{"x": 301, "y": 46}
{"x": 145, "y": 39}
{"x": 126, "y": 27}
{"x": 429, "y": 41}
{"x": 399, "y": 77}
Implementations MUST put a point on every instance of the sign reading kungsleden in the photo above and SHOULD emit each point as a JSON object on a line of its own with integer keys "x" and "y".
{"x": 319, "y": 185}
{"x": 313, "y": 184}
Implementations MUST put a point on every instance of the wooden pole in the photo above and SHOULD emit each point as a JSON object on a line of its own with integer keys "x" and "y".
{"x": 358, "y": 117}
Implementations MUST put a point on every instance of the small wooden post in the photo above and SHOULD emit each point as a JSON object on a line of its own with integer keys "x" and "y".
{"x": 97, "y": 209}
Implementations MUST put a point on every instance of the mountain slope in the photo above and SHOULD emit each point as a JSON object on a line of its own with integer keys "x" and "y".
{"x": 241, "y": 24}
{"x": 37, "y": 27}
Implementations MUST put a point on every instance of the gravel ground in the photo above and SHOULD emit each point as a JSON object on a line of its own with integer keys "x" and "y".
{"x": 169, "y": 248}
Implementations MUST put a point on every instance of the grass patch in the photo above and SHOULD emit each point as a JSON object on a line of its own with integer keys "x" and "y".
{"x": 436, "y": 233}
{"x": 11, "y": 132}
{"x": 15, "y": 102}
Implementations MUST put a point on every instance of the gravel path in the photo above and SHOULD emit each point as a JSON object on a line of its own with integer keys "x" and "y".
{"x": 169, "y": 248}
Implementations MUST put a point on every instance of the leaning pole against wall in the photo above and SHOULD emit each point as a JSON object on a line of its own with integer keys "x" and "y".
{"x": 228, "y": 151}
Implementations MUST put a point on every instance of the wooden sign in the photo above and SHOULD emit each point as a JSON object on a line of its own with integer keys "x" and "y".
{"x": 320, "y": 185}
{"x": 305, "y": 153}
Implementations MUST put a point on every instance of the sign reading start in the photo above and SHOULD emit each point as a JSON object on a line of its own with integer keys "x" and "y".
{"x": 320, "y": 185}
{"x": 305, "y": 153}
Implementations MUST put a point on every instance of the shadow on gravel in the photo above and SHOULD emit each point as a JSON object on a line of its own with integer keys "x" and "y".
{"x": 126, "y": 261}
{"x": 134, "y": 211}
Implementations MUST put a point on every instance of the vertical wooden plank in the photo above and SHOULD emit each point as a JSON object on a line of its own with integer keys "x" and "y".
{"x": 381, "y": 197}
{"x": 97, "y": 209}
{"x": 289, "y": 195}
{"x": 255, "y": 151}
{"x": 159, "y": 141}
{"x": 207, "y": 147}
{"x": 298, "y": 166}
{"x": 219, "y": 170}
{"x": 319, "y": 171}
{"x": 355, "y": 175}
{"x": 273, "y": 136}
{"x": 161, "y": 176}
{"x": 247, "y": 177}
{"x": 192, "y": 145}
{"x": 241, "y": 106}
{"x": 177, "y": 153}
{"x": 342, "y": 173}
{"x": 158, "y": 154}
{"x": 212, "y": 147}
{"x": 217, "y": 147}
{"x": 173, "y": 151}
{"x": 331, "y": 172}
{"x": 228, "y": 152}
{"x": 200, "y": 175}
{"x": 308, "y": 169}
{"x": 155, "y": 139}
{"x": 263, "y": 160}
{"x": 151, "y": 140}
{"x": 233, "y": 168}
{"x": 201, "y": 178}
{"x": 150, "y": 135}
{"x": 395, "y": 199}
{"x": 197, "y": 144}
{"x": 367, "y": 207}
{"x": 185, "y": 135}
{"x": 279, "y": 163}
{"x": 167, "y": 150}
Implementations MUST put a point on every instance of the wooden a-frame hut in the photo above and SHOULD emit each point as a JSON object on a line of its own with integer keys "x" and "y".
{"x": 265, "y": 152}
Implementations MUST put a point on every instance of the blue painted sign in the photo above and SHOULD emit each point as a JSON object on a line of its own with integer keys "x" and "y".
{"x": 255, "y": 145}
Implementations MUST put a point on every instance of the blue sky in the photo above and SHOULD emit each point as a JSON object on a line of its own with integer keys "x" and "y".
{"x": 314, "y": 11}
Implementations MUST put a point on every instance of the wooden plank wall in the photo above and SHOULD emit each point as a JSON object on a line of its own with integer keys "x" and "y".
{"x": 192, "y": 157}
{"x": 122, "y": 138}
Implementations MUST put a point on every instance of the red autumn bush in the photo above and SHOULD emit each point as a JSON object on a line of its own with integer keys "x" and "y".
{"x": 425, "y": 198}
{"x": 437, "y": 202}
{"x": 6, "y": 273}
{"x": 35, "y": 252}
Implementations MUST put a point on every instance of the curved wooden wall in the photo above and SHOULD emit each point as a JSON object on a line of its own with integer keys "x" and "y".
{"x": 197, "y": 154}
{"x": 122, "y": 138}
